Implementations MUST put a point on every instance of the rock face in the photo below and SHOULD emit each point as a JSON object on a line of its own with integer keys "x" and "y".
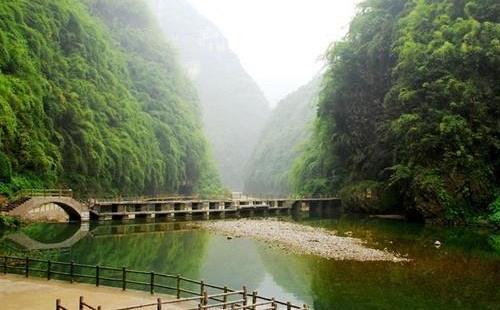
{"x": 279, "y": 143}
{"x": 234, "y": 108}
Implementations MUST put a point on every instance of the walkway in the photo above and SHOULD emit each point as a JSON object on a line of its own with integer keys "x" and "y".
{"x": 16, "y": 292}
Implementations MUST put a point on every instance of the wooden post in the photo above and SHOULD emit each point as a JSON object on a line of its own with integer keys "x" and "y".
{"x": 273, "y": 304}
{"x": 200, "y": 306}
{"x": 178, "y": 286}
{"x": 48, "y": 269}
{"x": 97, "y": 275}
{"x": 58, "y": 304}
{"x": 254, "y": 299}
{"x": 225, "y": 297}
{"x": 124, "y": 278}
{"x": 71, "y": 271}
{"x": 27, "y": 266}
{"x": 245, "y": 297}
{"x": 205, "y": 298}
{"x": 288, "y": 306}
{"x": 158, "y": 307}
{"x": 305, "y": 307}
{"x": 5, "y": 264}
{"x": 202, "y": 287}
{"x": 152, "y": 283}
{"x": 80, "y": 304}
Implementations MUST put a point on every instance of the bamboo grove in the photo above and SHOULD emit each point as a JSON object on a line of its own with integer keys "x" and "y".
{"x": 408, "y": 115}
{"x": 93, "y": 98}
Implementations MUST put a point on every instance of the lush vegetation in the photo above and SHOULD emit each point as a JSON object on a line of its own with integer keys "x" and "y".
{"x": 280, "y": 143}
{"x": 91, "y": 97}
{"x": 408, "y": 115}
{"x": 9, "y": 222}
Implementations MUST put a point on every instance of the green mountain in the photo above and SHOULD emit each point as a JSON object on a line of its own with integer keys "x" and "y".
{"x": 234, "y": 108}
{"x": 409, "y": 114}
{"x": 93, "y": 98}
{"x": 280, "y": 143}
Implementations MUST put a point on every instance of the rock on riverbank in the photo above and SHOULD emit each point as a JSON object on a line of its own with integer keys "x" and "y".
{"x": 302, "y": 239}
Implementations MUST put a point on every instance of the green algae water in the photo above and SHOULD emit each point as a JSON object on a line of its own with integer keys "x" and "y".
{"x": 463, "y": 273}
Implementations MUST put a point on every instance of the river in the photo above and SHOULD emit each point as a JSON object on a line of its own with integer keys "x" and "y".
{"x": 463, "y": 273}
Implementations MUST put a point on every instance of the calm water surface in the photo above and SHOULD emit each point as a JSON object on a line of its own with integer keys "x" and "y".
{"x": 464, "y": 273}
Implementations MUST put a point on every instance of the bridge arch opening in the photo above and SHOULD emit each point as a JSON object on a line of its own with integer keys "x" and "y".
{"x": 73, "y": 209}
{"x": 54, "y": 211}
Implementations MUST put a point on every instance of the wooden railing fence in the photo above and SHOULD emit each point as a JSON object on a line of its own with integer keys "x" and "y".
{"x": 82, "y": 305}
{"x": 232, "y": 305}
{"x": 136, "y": 279}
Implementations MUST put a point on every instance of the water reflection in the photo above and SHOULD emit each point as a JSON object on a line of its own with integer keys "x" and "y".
{"x": 61, "y": 239}
{"x": 463, "y": 273}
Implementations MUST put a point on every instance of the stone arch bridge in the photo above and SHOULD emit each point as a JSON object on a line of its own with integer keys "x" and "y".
{"x": 29, "y": 201}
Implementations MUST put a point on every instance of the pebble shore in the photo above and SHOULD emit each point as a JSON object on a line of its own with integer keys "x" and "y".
{"x": 301, "y": 239}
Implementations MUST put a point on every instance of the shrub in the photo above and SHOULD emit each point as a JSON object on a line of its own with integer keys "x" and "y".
{"x": 494, "y": 208}
{"x": 9, "y": 221}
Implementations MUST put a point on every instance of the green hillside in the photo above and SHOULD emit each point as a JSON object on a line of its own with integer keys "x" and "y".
{"x": 409, "y": 114}
{"x": 93, "y": 98}
{"x": 281, "y": 142}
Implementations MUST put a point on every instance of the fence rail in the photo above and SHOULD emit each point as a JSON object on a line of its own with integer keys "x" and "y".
{"x": 43, "y": 193}
{"x": 185, "y": 289}
{"x": 234, "y": 305}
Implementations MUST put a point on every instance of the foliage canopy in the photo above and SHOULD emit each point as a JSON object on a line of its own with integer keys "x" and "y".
{"x": 92, "y": 97}
{"x": 411, "y": 101}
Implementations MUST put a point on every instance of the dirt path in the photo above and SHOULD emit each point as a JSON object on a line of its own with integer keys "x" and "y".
{"x": 17, "y": 292}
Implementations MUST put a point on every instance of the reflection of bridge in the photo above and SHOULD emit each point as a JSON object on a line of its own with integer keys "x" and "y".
{"x": 29, "y": 243}
{"x": 133, "y": 228}
{"x": 83, "y": 231}
{"x": 177, "y": 207}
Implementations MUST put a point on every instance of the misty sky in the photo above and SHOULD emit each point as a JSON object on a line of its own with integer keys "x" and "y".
{"x": 280, "y": 42}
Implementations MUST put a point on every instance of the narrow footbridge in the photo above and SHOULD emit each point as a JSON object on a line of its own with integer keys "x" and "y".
{"x": 187, "y": 207}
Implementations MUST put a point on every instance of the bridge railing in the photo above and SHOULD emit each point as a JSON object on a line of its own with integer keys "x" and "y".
{"x": 96, "y": 201}
{"x": 43, "y": 193}
{"x": 260, "y": 196}
{"x": 160, "y": 198}
{"x": 142, "y": 198}
{"x": 128, "y": 278}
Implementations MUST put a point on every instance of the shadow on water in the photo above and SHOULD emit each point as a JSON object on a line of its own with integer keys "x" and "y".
{"x": 463, "y": 273}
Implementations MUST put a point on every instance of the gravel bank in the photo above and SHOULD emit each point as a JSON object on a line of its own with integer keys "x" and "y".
{"x": 302, "y": 239}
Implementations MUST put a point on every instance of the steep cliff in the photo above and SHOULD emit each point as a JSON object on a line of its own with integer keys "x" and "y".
{"x": 234, "y": 108}
{"x": 408, "y": 116}
{"x": 280, "y": 142}
{"x": 91, "y": 97}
